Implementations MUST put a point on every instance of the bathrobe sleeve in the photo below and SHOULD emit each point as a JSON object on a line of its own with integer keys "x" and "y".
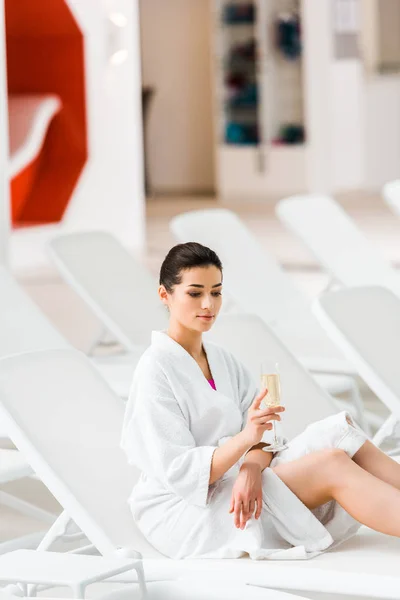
{"x": 157, "y": 439}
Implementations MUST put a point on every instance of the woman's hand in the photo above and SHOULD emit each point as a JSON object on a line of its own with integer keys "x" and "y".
{"x": 259, "y": 420}
{"x": 246, "y": 494}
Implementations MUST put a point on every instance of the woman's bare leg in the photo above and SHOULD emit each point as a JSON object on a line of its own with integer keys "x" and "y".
{"x": 376, "y": 462}
{"x": 331, "y": 474}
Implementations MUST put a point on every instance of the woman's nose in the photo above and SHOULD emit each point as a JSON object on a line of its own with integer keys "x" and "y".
{"x": 207, "y": 301}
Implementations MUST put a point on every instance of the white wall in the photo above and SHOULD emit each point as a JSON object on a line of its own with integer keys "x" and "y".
{"x": 110, "y": 193}
{"x": 334, "y": 106}
{"x": 347, "y": 118}
{"x": 382, "y": 130}
{"x": 176, "y": 61}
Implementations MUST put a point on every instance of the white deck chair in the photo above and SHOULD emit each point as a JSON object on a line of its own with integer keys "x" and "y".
{"x": 391, "y": 195}
{"x": 75, "y": 451}
{"x": 122, "y": 293}
{"x": 24, "y": 328}
{"x": 336, "y": 242}
{"x": 248, "y": 337}
{"x": 186, "y": 589}
{"x": 119, "y": 290}
{"x": 258, "y": 285}
{"x": 365, "y": 323}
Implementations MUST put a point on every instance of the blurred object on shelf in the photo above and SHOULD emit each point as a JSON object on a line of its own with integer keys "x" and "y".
{"x": 245, "y": 51}
{"x": 290, "y": 133}
{"x": 288, "y": 35}
{"x": 245, "y": 97}
{"x": 244, "y": 134}
{"x": 237, "y": 14}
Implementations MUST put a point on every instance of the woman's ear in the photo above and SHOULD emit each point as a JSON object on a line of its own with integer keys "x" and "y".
{"x": 163, "y": 295}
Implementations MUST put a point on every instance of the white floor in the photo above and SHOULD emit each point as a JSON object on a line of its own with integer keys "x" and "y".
{"x": 79, "y": 325}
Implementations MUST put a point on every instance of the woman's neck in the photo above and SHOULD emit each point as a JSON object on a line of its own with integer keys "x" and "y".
{"x": 190, "y": 340}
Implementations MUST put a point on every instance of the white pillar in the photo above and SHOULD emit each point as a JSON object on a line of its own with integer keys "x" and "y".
{"x": 334, "y": 90}
{"x": 317, "y": 58}
{"x": 4, "y": 182}
{"x": 110, "y": 194}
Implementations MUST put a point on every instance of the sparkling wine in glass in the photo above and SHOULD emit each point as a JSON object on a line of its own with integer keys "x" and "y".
{"x": 270, "y": 379}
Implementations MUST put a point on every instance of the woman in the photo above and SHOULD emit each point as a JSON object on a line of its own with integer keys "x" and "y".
{"x": 194, "y": 427}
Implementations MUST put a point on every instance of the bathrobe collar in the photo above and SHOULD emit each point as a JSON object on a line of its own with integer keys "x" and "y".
{"x": 160, "y": 339}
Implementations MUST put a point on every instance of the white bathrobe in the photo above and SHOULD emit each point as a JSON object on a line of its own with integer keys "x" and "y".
{"x": 175, "y": 420}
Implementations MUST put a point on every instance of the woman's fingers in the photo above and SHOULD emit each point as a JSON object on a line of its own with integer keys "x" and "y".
{"x": 243, "y": 517}
{"x": 259, "y": 507}
{"x": 262, "y": 420}
{"x": 243, "y": 511}
{"x": 272, "y": 410}
{"x": 237, "y": 511}
{"x": 258, "y": 399}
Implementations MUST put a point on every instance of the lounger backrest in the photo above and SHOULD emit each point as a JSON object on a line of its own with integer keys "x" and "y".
{"x": 251, "y": 275}
{"x": 63, "y": 416}
{"x": 336, "y": 242}
{"x": 251, "y": 340}
{"x": 23, "y": 327}
{"x": 391, "y": 195}
{"x": 119, "y": 290}
{"x": 365, "y": 323}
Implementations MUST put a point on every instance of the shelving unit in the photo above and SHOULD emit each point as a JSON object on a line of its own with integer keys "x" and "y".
{"x": 258, "y": 86}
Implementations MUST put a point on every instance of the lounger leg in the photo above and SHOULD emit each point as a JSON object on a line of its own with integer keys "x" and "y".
{"x": 79, "y": 591}
{"x": 141, "y": 580}
{"x": 57, "y": 530}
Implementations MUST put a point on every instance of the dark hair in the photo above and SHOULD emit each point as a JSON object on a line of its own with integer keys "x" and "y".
{"x": 183, "y": 257}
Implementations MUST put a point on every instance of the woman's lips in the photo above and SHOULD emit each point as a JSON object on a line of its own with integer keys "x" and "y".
{"x": 205, "y": 317}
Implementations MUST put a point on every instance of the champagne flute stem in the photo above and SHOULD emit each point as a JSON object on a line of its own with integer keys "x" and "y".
{"x": 275, "y": 441}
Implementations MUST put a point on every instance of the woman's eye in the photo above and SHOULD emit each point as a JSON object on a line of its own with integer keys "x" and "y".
{"x": 197, "y": 294}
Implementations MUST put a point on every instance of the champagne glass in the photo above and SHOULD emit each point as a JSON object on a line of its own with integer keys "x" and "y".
{"x": 270, "y": 379}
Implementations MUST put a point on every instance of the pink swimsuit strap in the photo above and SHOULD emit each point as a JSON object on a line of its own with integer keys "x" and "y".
{"x": 212, "y": 383}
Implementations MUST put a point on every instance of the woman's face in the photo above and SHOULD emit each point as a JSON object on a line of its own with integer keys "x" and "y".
{"x": 196, "y": 301}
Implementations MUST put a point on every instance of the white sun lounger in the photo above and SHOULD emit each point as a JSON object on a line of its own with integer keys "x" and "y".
{"x": 258, "y": 285}
{"x": 24, "y": 328}
{"x": 245, "y": 335}
{"x": 75, "y": 451}
{"x": 119, "y": 290}
{"x": 122, "y": 293}
{"x": 187, "y": 589}
{"x": 336, "y": 242}
{"x": 365, "y": 323}
{"x": 391, "y": 195}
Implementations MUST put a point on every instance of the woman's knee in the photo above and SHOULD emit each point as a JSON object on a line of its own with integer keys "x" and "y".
{"x": 334, "y": 462}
